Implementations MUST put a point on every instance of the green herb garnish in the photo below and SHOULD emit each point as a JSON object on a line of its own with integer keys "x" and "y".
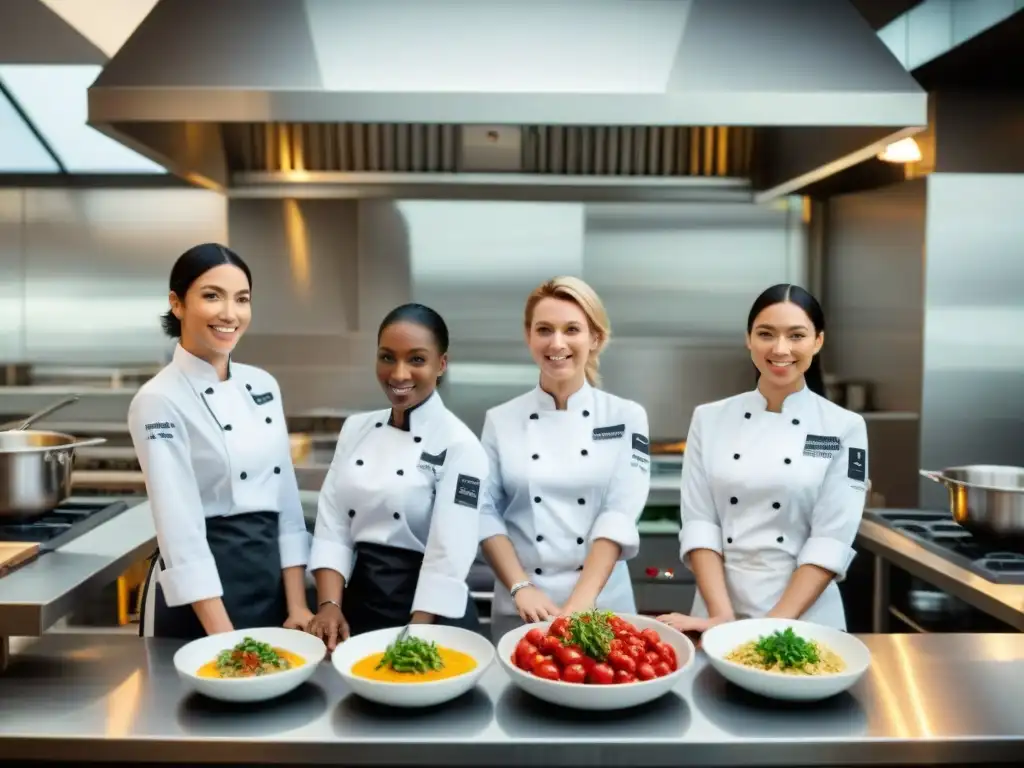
{"x": 250, "y": 657}
{"x": 591, "y": 631}
{"x": 412, "y": 655}
{"x": 787, "y": 649}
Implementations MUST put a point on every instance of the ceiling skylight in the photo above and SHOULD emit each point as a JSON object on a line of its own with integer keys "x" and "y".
{"x": 20, "y": 150}
{"x": 55, "y": 98}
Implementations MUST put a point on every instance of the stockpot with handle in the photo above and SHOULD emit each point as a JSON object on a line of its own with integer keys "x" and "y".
{"x": 987, "y": 500}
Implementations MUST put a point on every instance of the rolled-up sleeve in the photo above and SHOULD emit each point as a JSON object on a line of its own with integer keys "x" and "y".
{"x": 161, "y": 441}
{"x": 700, "y": 525}
{"x": 840, "y": 505}
{"x": 332, "y": 546}
{"x": 628, "y": 488}
{"x": 454, "y": 536}
{"x": 293, "y": 538}
{"x": 493, "y": 501}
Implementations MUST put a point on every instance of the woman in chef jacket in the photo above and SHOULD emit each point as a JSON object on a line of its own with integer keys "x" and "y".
{"x": 398, "y": 516}
{"x": 774, "y": 481}
{"x": 211, "y": 437}
{"x": 569, "y": 471}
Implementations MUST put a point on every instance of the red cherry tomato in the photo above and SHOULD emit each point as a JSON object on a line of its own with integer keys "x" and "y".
{"x": 630, "y": 628}
{"x": 651, "y": 638}
{"x": 667, "y": 654}
{"x": 661, "y": 669}
{"x": 601, "y": 674}
{"x": 646, "y": 672}
{"x": 535, "y": 636}
{"x": 559, "y": 627}
{"x": 652, "y": 657}
{"x": 619, "y": 660}
{"x": 622, "y": 676}
{"x": 568, "y": 655}
{"x": 616, "y": 645}
{"x": 623, "y": 634}
{"x": 636, "y": 653}
{"x": 587, "y": 662}
{"x": 550, "y": 645}
{"x": 574, "y": 673}
{"x": 547, "y": 670}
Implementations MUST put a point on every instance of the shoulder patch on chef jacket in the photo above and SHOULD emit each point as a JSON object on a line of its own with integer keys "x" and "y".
{"x": 609, "y": 433}
{"x": 467, "y": 491}
{"x": 160, "y": 429}
{"x": 821, "y": 447}
{"x": 641, "y": 444}
{"x": 263, "y": 399}
{"x": 856, "y": 468}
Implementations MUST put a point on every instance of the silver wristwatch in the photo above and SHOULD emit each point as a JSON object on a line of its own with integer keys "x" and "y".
{"x": 519, "y": 585}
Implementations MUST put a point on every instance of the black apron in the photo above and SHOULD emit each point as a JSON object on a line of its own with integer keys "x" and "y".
{"x": 380, "y": 592}
{"x": 245, "y": 549}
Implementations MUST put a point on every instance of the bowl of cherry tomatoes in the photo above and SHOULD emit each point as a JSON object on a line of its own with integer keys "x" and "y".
{"x": 596, "y": 660}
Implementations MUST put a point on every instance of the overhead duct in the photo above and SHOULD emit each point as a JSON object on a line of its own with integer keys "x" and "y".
{"x": 655, "y": 96}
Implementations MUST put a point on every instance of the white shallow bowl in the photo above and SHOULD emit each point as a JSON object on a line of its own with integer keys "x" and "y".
{"x": 413, "y": 694}
{"x": 718, "y": 642}
{"x": 599, "y": 697}
{"x": 192, "y": 656}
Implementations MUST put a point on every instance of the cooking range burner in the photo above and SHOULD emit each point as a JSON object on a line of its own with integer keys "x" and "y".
{"x": 939, "y": 534}
{"x": 64, "y": 524}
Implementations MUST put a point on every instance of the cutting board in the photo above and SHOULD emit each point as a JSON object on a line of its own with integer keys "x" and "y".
{"x": 14, "y": 554}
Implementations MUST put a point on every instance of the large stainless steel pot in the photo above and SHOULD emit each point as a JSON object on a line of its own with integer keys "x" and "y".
{"x": 35, "y": 471}
{"x": 987, "y": 500}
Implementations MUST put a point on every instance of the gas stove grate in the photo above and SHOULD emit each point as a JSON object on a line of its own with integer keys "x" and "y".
{"x": 63, "y": 525}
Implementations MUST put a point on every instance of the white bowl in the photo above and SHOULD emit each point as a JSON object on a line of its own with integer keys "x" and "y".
{"x": 599, "y": 697}
{"x": 192, "y": 656}
{"x": 718, "y": 642}
{"x": 426, "y": 694}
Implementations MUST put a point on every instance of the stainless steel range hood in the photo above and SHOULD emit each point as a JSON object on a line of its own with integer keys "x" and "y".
{"x": 259, "y": 96}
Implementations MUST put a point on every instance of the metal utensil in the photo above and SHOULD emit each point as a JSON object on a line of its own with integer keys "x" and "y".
{"x": 35, "y": 471}
{"x": 987, "y": 500}
{"x": 26, "y": 423}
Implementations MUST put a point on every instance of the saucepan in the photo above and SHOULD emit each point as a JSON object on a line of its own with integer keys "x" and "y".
{"x": 987, "y": 500}
{"x": 36, "y": 466}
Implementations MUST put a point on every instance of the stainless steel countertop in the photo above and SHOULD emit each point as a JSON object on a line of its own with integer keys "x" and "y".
{"x": 36, "y": 595}
{"x": 1003, "y": 601}
{"x": 927, "y": 700}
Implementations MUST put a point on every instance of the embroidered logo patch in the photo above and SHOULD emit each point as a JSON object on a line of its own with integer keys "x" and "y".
{"x": 641, "y": 444}
{"x": 467, "y": 491}
{"x": 819, "y": 447}
{"x": 437, "y": 461}
{"x": 263, "y": 399}
{"x": 856, "y": 468}
{"x": 609, "y": 433}
{"x": 160, "y": 429}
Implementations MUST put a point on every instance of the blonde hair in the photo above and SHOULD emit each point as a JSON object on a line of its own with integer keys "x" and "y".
{"x": 573, "y": 289}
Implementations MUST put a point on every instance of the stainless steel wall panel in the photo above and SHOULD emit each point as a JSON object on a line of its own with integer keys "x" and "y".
{"x": 303, "y": 254}
{"x": 97, "y": 267}
{"x": 12, "y": 275}
{"x": 971, "y": 410}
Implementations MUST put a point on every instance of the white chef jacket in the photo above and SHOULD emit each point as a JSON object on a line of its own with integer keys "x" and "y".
{"x": 773, "y": 491}
{"x": 561, "y": 479}
{"x": 416, "y": 488}
{"x": 212, "y": 448}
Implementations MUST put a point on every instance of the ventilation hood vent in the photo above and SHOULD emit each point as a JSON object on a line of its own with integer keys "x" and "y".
{"x": 660, "y": 95}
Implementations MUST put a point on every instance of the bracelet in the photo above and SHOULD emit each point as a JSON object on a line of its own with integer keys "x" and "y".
{"x": 519, "y": 585}
{"x": 322, "y": 603}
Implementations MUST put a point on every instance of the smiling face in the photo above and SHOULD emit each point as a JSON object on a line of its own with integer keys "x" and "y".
{"x": 215, "y": 311}
{"x": 560, "y": 340}
{"x": 782, "y": 344}
{"x": 409, "y": 363}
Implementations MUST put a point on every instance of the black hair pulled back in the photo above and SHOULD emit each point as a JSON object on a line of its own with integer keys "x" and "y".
{"x": 803, "y": 299}
{"x": 189, "y": 267}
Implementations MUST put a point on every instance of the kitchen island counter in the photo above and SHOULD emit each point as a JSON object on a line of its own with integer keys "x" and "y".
{"x": 928, "y": 700}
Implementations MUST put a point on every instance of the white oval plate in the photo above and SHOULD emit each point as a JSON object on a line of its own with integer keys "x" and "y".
{"x": 192, "y": 656}
{"x": 719, "y": 641}
{"x": 426, "y": 694}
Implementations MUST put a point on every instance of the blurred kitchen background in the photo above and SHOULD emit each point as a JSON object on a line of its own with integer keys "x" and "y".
{"x": 918, "y": 256}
